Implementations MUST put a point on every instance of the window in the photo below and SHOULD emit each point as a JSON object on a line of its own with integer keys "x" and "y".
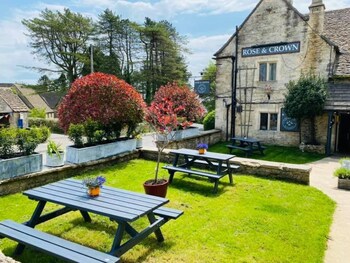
{"x": 267, "y": 71}
{"x": 268, "y": 121}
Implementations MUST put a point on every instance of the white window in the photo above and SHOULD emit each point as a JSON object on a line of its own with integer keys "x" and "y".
{"x": 267, "y": 71}
{"x": 268, "y": 121}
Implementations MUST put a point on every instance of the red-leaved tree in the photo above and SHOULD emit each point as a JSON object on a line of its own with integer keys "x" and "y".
{"x": 111, "y": 102}
{"x": 173, "y": 107}
{"x": 186, "y": 103}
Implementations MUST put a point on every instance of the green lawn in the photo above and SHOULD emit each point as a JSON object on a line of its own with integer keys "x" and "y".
{"x": 256, "y": 220}
{"x": 273, "y": 153}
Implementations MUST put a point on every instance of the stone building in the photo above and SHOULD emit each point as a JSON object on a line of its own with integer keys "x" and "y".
{"x": 276, "y": 44}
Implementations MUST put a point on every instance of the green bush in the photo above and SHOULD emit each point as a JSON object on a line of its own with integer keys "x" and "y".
{"x": 7, "y": 141}
{"x": 37, "y": 113}
{"x": 75, "y": 133}
{"x": 342, "y": 173}
{"x": 51, "y": 123}
{"x": 43, "y": 133}
{"x": 90, "y": 127}
{"x": 209, "y": 121}
{"x": 28, "y": 140}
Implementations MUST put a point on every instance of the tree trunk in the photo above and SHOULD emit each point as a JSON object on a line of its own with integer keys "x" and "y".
{"x": 313, "y": 130}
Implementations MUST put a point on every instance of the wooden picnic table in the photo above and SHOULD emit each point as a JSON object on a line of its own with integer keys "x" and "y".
{"x": 248, "y": 145}
{"x": 118, "y": 205}
{"x": 218, "y": 161}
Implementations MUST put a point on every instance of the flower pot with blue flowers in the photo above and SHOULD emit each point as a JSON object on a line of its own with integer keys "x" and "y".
{"x": 202, "y": 148}
{"x": 94, "y": 185}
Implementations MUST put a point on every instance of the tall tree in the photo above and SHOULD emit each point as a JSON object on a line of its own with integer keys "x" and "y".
{"x": 163, "y": 61}
{"x": 305, "y": 99}
{"x": 61, "y": 39}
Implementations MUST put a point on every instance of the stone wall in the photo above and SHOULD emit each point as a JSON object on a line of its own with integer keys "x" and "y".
{"x": 18, "y": 184}
{"x": 273, "y": 21}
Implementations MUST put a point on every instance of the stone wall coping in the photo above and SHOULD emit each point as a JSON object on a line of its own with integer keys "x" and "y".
{"x": 269, "y": 164}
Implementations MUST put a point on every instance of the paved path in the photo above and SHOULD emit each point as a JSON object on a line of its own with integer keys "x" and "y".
{"x": 339, "y": 239}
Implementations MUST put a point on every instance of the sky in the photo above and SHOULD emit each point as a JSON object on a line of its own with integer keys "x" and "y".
{"x": 207, "y": 25}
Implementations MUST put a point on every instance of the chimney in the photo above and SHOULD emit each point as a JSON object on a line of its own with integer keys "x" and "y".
{"x": 317, "y": 10}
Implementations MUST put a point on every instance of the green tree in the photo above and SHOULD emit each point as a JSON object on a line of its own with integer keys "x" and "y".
{"x": 305, "y": 99}
{"x": 61, "y": 39}
{"x": 209, "y": 73}
{"x": 163, "y": 61}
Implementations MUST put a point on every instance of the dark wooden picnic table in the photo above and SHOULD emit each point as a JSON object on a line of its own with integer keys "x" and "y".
{"x": 218, "y": 161}
{"x": 118, "y": 205}
{"x": 248, "y": 145}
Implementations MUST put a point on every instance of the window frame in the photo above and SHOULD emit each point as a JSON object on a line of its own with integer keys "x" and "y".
{"x": 269, "y": 121}
{"x": 268, "y": 71}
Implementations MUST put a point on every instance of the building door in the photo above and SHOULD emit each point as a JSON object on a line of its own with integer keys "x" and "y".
{"x": 344, "y": 134}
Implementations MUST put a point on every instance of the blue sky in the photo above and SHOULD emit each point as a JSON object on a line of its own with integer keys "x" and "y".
{"x": 206, "y": 23}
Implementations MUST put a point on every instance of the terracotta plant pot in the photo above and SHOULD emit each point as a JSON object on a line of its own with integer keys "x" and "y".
{"x": 94, "y": 191}
{"x": 202, "y": 151}
{"x": 158, "y": 189}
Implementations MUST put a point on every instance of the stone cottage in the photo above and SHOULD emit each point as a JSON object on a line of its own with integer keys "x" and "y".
{"x": 276, "y": 44}
{"x": 13, "y": 112}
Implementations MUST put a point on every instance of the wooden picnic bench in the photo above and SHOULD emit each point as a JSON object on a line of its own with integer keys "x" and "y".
{"x": 52, "y": 245}
{"x": 212, "y": 160}
{"x": 120, "y": 206}
{"x": 248, "y": 145}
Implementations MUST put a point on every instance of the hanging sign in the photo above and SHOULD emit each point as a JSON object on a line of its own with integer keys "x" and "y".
{"x": 202, "y": 87}
{"x": 271, "y": 49}
{"x": 288, "y": 124}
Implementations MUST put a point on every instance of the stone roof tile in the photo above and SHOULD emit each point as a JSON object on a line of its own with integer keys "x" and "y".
{"x": 12, "y": 99}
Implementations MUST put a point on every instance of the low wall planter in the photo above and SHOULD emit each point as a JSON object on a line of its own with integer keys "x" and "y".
{"x": 22, "y": 165}
{"x": 344, "y": 184}
{"x": 91, "y": 153}
{"x": 180, "y": 134}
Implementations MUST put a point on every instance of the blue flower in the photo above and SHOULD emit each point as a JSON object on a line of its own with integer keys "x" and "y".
{"x": 94, "y": 182}
{"x": 202, "y": 146}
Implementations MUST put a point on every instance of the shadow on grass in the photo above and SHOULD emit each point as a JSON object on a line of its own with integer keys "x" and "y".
{"x": 199, "y": 185}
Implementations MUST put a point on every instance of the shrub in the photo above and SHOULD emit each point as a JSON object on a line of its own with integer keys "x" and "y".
{"x": 75, "y": 133}
{"x": 209, "y": 121}
{"x": 43, "y": 133}
{"x": 7, "y": 141}
{"x": 185, "y": 103}
{"x": 28, "y": 140}
{"x": 51, "y": 123}
{"x": 107, "y": 100}
{"x": 37, "y": 113}
{"x": 342, "y": 173}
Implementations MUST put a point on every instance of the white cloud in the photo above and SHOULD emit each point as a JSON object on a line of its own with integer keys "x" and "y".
{"x": 203, "y": 49}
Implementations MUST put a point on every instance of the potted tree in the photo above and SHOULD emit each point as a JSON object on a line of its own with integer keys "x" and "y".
{"x": 54, "y": 154}
{"x": 166, "y": 115}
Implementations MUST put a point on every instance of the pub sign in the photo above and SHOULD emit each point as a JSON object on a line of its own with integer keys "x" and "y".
{"x": 271, "y": 49}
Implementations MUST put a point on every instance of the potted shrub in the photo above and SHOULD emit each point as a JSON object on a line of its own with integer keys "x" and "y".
{"x": 110, "y": 106}
{"x": 165, "y": 115}
{"x": 343, "y": 174}
{"x": 54, "y": 154}
{"x": 17, "y": 151}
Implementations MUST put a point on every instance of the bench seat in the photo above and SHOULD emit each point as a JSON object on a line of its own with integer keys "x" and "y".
{"x": 168, "y": 213}
{"x": 232, "y": 166}
{"x": 53, "y": 245}
{"x": 189, "y": 171}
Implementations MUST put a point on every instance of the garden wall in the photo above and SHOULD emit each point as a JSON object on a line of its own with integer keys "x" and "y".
{"x": 290, "y": 172}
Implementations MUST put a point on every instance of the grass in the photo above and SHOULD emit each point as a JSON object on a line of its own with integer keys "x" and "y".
{"x": 273, "y": 153}
{"x": 256, "y": 220}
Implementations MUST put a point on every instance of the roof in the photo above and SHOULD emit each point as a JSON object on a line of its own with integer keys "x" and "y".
{"x": 337, "y": 29}
{"x": 339, "y": 97}
{"x": 251, "y": 13}
{"x": 32, "y": 99}
{"x": 12, "y": 100}
{"x": 336, "y": 32}
{"x": 52, "y": 98}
